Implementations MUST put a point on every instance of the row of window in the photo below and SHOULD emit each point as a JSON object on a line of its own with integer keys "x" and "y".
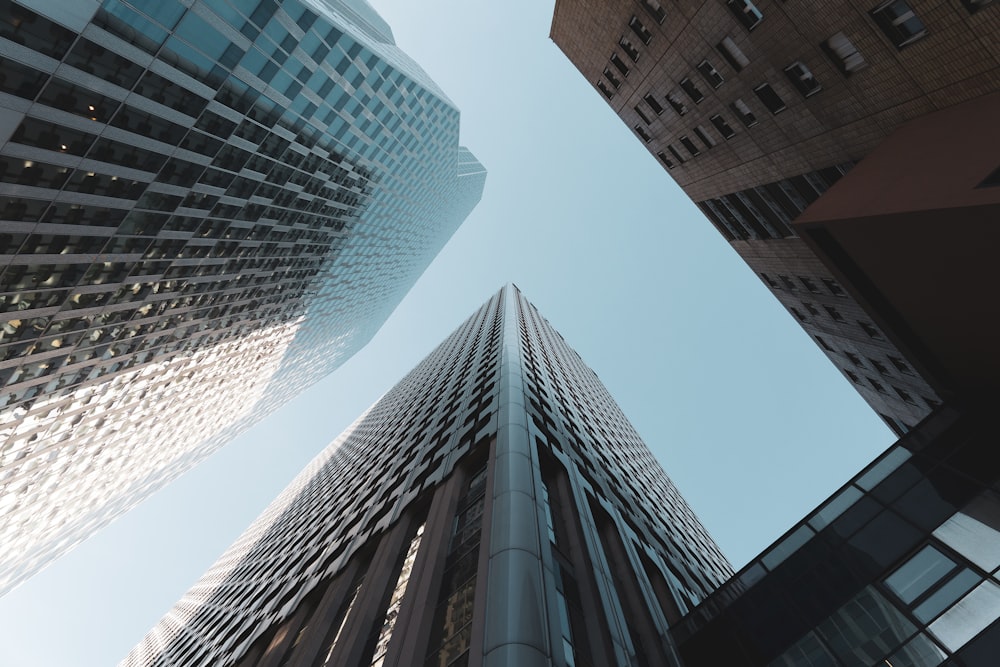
{"x": 877, "y": 386}
{"x": 895, "y": 18}
{"x": 787, "y": 283}
{"x": 766, "y": 211}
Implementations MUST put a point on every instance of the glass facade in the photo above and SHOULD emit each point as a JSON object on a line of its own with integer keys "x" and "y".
{"x": 547, "y": 533}
{"x": 204, "y": 207}
{"x": 900, "y": 567}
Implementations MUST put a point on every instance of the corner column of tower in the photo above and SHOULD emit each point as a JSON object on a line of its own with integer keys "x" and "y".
{"x": 515, "y": 631}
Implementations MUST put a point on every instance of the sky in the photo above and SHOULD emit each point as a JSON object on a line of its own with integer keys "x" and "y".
{"x": 748, "y": 417}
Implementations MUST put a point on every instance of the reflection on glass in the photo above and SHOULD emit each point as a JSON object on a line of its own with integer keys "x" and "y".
{"x": 919, "y": 573}
{"x": 918, "y": 652}
{"x": 967, "y": 618}
{"x": 944, "y": 596}
{"x": 866, "y": 629}
{"x": 975, "y": 532}
{"x": 881, "y": 470}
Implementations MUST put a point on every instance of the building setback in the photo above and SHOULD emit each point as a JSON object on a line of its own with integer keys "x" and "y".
{"x": 494, "y": 508}
{"x": 757, "y": 108}
{"x": 204, "y": 207}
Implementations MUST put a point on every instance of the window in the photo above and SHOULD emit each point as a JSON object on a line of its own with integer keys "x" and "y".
{"x": 901, "y": 365}
{"x": 603, "y": 87}
{"x": 834, "y": 287}
{"x": 641, "y": 131}
{"x": 769, "y": 280}
{"x": 823, "y": 343}
{"x": 654, "y": 9}
{"x": 871, "y": 330}
{"x": 722, "y": 126}
{"x": 798, "y": 314}
{"x": 876, "y": 386}
{"x": 854, "y": 359}
{"x": 743, "y": 113}
{"x": 629, "y": 48}
{"x": 919, "y": 574}
{"x": 903, "y": 394}
{"x": 879, "y": 366}
{"x": 619, "y": 64}
{"x": 640, "y": 30}
{"x": 667, "y": 161}
{"x": 705, "y": 137}
{"x": 615, "y": 81}
{"x": 676, "y": 103}
{"x": 834, "y": 313}
{"x": 746, "y": 13}
{"x": 808, "y": 284}
{"x": 653, "y": 104}
{"x": 787, "y": 281}
{"x": 844, "y": 54}
{"x": 687, "y": 85}
{"x": 854, "y": 377}
{"x": 765, "y": 93}
{"x": 642, "y": 114}
{"x": 711, "y": 74}
{"x": 732, "y": 53}
{"x": 811, "y": 308}
{"x": 689, "y": 145}
{"x": 802, "y": 78}
{"x": 975, "y": 5}
{"x": 898, "y": 22}
{"x": 677, "y": 156}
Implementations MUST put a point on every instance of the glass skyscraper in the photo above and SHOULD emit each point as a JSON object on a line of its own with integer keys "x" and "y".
{"x": 204, "y": 207}
{"x": 494, "y": 508}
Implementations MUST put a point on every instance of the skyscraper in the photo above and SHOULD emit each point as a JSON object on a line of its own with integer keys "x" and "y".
{"x": 204, "y": 207}
{"x": 758, "y": 108}
{"x": 495, "y": 507}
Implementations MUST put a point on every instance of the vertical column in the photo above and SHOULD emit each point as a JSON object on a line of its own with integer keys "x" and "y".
{"x": 326, "y": 615}
{"x": 415, "y": 615}
{"x": 369, "y": 609}
{"x": 617, "y": 628}
{"x": 515, "y": 633}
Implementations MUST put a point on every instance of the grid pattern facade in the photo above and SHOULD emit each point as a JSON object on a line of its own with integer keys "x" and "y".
{"x": 495, "y": 507}
{"x": 757, "y": 108}
{"x": 204, "y": 207}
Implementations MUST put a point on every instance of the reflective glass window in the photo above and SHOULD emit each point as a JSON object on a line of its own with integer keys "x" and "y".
{"x": 918, "y": 574}
{"x": 969, "y": 616}
{"x": 975, "y": 532}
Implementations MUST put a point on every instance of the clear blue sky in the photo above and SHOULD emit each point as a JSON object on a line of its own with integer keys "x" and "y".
{"x": 751, "y": 421}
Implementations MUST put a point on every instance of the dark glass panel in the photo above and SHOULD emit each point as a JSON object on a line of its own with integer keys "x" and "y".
{"x": 23, "y": 26}
{"x": 99, "y": 61}
{"x": 20, "y": 80}
{"x": 886, "y": 538}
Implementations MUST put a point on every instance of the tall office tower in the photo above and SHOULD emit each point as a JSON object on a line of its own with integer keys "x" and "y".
{"x": 494, "y": 508}
{"x": 204, "y": 207}
{"x": 757, "y": 108}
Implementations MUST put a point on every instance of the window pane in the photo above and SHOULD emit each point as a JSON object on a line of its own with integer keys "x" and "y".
{"x": 967, "y": 618}
{"x": 944, "y": 596}
{"x": 919, "y": 573}
{"x": 975, "y": 532}
{"x": 918, "y": 652}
